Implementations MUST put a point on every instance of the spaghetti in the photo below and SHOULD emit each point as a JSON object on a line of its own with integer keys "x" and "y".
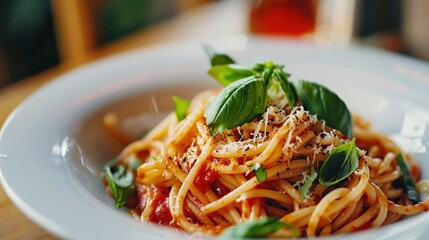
{"x": 267, "y": 157}
{"x": 204, "y": 184}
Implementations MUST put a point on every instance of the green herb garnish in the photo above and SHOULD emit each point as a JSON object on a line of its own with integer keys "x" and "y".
{"x": 340, "y": 164}
{"x": 238, "y": 103}
{"x": 257, "y": 229}
{"x": 181, "y": 106}
{"x": 319, "y": 100}
{"x": 287, "y": 87}
{"x": 409, "y": 185}
{"x": 217, "y": 58}
{"x": 305, "y": 188}
{"x": 121, "y": 182}
{"x": 110, "y": 163}
{"x": 260, "y": 172}
{"x": 144, "y": 133}
{"x": 135, "y": 164}
{"x": 229, "y": 73}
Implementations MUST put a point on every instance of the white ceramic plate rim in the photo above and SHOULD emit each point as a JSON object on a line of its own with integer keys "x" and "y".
{"x": 44, "y": 187}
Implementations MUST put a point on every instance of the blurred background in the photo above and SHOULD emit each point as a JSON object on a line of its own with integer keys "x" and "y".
{"x": 36, "y": 36}
{"x": 41, "y": 39}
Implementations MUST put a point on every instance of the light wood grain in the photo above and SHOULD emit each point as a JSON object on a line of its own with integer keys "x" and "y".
{"x": 14, "y": 225}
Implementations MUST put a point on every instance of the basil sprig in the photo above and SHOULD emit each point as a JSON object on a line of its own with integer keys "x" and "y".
{"x": 121, "y": 182}
{"x": 288, "y": 88}
{"x": 135, "y": 164}
{"x": 315, "y": 98}
{"x": 237, "y": 104}
{"x": 409, "y": 185}
{"x": 340, "y": 164}
{"x": 257, "y": 229}
{"x": 305, "y": 188}
{"x": 217, "y": 58}
{"x": 319, "y": 100}
{"x": 260, "y": 172}
{"x": 243, "y": 99}
{"x": 229, "y": 73}
{"x": 181, "y": 106}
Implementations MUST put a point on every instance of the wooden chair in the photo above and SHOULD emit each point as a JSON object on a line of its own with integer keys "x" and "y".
{"x": 77, "y": 33}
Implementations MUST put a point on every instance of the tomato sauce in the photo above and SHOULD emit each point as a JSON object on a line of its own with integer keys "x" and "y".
{"x": 317, "y": 199}
{"x": 162, "y": 213}
{"x": 219, "y": 189}
{"x": 415, "y": 172}
{"x": 160, "y": 202}
{"x": 364, "y": 226}
{"x": 206, "y": 176}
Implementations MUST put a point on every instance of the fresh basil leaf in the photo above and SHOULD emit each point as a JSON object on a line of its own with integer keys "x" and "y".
{"x": 238, "y": 103}
{"x": 258, "y": 67}
{"x": 288, "y": 88}
{"x": 135, "y": 164}
{"x": 217, "y": 58}
{"x": 261, "y": 66}
{"x": 267, "y": 73}
{"x": 181, "y": 106}
{"x": 121, "y": 182}
{"x": 305, "y": 188}
{"x": 110, "y": 163}
{"x": 228, "y": 73}
{"x": 409, "y": 185}
{"x": 260, "y": 172}
{"x": 257, "y": 229}
{"x": 144, "y": 133}
{"x": 340, "y": 164}
{"x": 319, "y": 100}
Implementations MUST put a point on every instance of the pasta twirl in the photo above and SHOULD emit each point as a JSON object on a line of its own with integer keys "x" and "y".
{"x": 264, "y": 157}
{"x": 205, "y": 184}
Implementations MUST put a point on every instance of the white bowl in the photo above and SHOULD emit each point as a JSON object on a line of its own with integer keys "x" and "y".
{"x": 56, "y": 147}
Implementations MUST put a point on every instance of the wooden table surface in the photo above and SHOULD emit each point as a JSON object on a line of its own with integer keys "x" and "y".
{"x": 202, "y": 22}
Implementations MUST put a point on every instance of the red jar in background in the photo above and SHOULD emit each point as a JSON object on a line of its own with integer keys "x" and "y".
{"x": 283, "y": 17}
